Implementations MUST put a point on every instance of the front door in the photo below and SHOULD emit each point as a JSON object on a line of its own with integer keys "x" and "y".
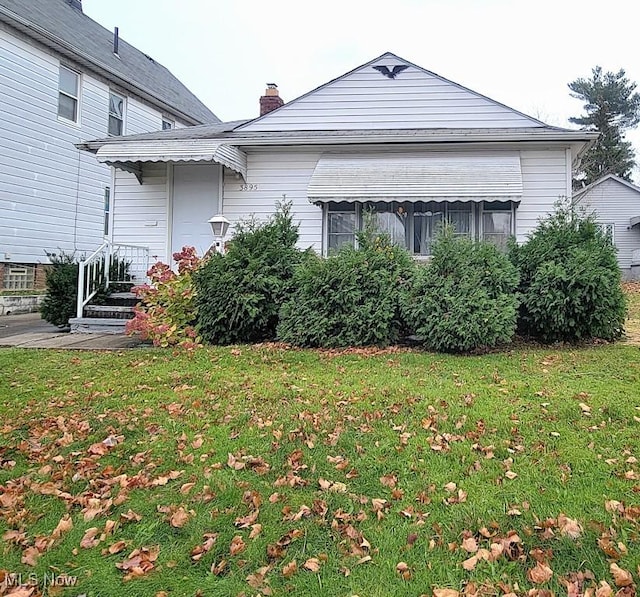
{"x": 196, "y": 198}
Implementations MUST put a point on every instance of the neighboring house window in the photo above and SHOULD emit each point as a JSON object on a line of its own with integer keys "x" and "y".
{"x": 497, "y": 223}
{"x": 410, "y": 225}
{"x": 68, "y": 94}
{"x": 19, "y": 277}
{"x": 107, "y": 209}
{"x": 608, "y": 229}
{"x": 167, "y": 125}
{"x": 116, "y": 114}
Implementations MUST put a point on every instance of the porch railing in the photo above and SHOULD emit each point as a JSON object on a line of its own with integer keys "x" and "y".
{"x": 108, "y": 265}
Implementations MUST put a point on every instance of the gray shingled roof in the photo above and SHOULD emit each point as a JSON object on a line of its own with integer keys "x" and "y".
{"x": 69, "y": 31}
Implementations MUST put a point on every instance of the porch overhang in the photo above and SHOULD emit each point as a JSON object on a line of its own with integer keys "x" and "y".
{"x": 416, "y": 176}
{"x": 130, "y": 155}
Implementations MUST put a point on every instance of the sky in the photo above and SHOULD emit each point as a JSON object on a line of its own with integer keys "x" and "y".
{"x": 522, "y": 53}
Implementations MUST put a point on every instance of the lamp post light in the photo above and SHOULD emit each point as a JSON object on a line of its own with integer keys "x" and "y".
{"x": 219, "y": 226}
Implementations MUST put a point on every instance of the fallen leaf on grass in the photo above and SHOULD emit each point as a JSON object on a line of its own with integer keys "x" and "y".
{"x": 569, "y": 527}
{"x": 312, "y": 564}
{"x": 179, "y": 518}
{"x": 604, "y": 589}
{"x": 403, "y": 570}
{"x": 89, "y": 539}
{"x": 540, "y": 573}
{"x": 288, "y": 570}
{"x": 470, "y": 544}
{"x": 237, "y": 545}
{"x": 199, "y": 550}
{"x": 621, "y": 577}
{"x": 139, "y": 562}
{"x": 65, "y": 524}
{"x": 116, "y": 547}
{"x": 445, "y": 593}
{"x": 30, "y": 556}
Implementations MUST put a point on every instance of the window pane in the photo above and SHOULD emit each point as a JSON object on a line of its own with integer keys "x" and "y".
{"x": 497, "y": 222}
{"x": 496, "y": 228}
{"x": 115, "y": 126}
{"x": 342, "y": 223}
{"x": 116, "y": 105}
{"x": 341, "y": 228}
{"x": 67, "y": 107}
{"x": 461, "y": 222}
{"x": 393, "y": 223}
{"x": 69, "y": 81}
{"x": 427, "y": 221}
{"x": 167, "y": 125}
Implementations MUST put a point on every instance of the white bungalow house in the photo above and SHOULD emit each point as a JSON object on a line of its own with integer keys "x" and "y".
{"x": 389, "y": 135}
{"x": 615, "y": 203}
{"x": 64, "y": 79}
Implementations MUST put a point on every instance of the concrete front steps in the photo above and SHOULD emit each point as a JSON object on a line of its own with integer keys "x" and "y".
{"x": 110, "y": 318}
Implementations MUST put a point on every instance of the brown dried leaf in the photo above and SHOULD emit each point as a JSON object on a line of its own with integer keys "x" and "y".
{"x": 237, "y": 545}
{"x": 30, "y": 556}
{"x": 312, "y": 564}
{"x": 470, "y": 544}
{"x": 89, "y": 539}
{"x": 179, "y": 518}
{"x": 621, "y": 577}
{"x": 65, "y": 524}
{"x": 402, "y": 568}
{"x": 445, "y": 593}
{"x": 117, "y": 547}
{"x": 288, "y": 570}
{"x": 470, "y": 563}
{"x": 540, "y": 573}
{"x": 604, "y": 589}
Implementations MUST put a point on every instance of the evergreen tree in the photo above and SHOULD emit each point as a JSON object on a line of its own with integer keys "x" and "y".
{"x": 612, "y": 106}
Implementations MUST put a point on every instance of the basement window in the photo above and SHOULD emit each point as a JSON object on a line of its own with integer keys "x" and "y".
{"x": 19, "y": 277}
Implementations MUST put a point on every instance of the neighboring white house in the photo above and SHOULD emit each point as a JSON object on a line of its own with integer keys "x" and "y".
{"x": 616, "y": 205}
{"x": 389, "y": 135}
{"x": 65, "y": 79}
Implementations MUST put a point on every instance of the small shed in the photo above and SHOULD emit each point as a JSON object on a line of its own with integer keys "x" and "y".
{"x": 616, "y": 204}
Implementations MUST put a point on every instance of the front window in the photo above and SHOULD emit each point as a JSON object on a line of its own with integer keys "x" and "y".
{"x": 412, "y": 225}
{"x": 68, "y": 94}
{"x": 497, "y": 224}
{"x": 116, "y": 114}
{"x": 608, "y": 230}
{"x": 341, "y": 226}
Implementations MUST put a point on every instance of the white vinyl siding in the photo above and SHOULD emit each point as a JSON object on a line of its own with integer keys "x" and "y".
{"x": 51, "y": 194}
{"x": 544, "y": 182}
{"x": 615, "y": 203}
{"x": 140, "y": 210}
{"x": 272, "y": 174}
{"x": 366, "y": 99}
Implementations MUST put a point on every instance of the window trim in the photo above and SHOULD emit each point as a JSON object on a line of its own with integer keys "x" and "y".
{"x": 108, "y": 209}
{"x": 77, "y": 98}
{"x": 124, "y": 113}
{"x": 608, "y": 229}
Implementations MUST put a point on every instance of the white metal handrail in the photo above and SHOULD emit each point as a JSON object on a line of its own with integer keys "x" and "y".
{"x": 110, "y": 264}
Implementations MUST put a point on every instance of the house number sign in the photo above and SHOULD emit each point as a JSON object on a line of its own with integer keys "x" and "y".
{"x": 248, "y": 187}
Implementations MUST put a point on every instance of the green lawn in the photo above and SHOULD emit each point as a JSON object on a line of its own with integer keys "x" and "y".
{"x": 261, "y": 470}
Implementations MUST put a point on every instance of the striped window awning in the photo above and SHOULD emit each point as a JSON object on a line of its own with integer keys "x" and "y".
{"x": 131, "y": 154}
{"x": 417, "y": 176}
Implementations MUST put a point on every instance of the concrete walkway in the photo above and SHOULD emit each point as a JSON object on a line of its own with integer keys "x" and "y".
{"x": 30, "y": 331}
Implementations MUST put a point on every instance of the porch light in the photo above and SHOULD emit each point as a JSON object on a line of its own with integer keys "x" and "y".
{"x": 219, "y": 226}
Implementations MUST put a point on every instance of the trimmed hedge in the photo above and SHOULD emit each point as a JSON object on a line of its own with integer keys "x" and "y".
{"x": 465, "y": 298}
{"x": 349, "y": 299}
{"x": 570, "y": 281}
{"x": 239, "y": 293}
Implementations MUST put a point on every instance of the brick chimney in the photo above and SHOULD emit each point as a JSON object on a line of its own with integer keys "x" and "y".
{"x": 270, "y": 100}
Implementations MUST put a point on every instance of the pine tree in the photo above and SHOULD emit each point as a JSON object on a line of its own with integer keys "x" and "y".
{"x": 612, "y": 106}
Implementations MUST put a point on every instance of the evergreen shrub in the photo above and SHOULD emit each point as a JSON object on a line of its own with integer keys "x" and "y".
{"x": 465, "y": 298}
{"x": 570, "y": 281}
{"x": 239, "y": 293}
{"x": 349, "y": 299}
{"x": 60, "y": 299}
